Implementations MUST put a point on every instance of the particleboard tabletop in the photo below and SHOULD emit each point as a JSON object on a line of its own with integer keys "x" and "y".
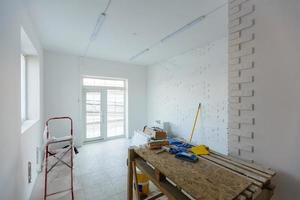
{"x": 201, "y": 180}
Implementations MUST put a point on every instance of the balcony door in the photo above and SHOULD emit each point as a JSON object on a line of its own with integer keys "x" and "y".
{"x": 104, "y": 108}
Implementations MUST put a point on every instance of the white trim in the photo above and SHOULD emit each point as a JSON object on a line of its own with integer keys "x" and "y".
{"x": 103, "y": 116}
{"x": 104, "y": 78}
{"x": 124, "y": 115}
{"x": 27, "y": 124}
{"x": 102, "y": 87}
{"x": 84, "y": 117}
{"x": 24, "y": 90}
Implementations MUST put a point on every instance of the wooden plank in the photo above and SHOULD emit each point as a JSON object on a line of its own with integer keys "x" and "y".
{"x": 237, "y": 169}
{"x": 253, "y": 180}
{"x": 255, "y": 190}
{"x": 159, "y": 176}
{"x": 243, "y": 167}
{"x": 201, "y": 180}
{"x": 131, "y": 156}
{"x": 155, "y": 196}
{"x": 241, "y": 197}
{"x": 167, "y": 188}
{"x": 248, "y": 194}
{"x": 135, "y": 180}
{"x": 251, "y": 165}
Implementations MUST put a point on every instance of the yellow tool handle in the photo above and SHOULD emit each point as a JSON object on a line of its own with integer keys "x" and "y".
{"x": 195, "y": 122}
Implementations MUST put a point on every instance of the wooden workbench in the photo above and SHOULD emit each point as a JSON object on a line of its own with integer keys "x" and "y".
{"x": 213, "y": 177}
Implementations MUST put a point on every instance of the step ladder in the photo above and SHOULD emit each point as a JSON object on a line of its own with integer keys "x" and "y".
{"x": 53, "y": 153}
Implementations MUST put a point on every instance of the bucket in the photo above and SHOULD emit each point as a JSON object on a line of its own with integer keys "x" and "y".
{"x": 143, "y": 183}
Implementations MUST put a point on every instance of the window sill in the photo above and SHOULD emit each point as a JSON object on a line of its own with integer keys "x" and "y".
{"x": 27, "y": 125}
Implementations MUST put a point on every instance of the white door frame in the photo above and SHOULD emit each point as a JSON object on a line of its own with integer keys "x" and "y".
{"x": 102, "y": 122}
{"x": 103, "y": 106}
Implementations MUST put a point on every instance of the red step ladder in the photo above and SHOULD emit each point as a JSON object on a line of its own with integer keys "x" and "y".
{"x": 59, "y": 159}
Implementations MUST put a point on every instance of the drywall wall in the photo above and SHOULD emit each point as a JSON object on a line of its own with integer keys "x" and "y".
{"x": 176, "y": 86}
{"x": 277, "y": 97}
{"x": 61, "y": 88}
{"x": 63, "y": 92}
{"x": 274, "y": 86}
{"x": 16, "y": 149}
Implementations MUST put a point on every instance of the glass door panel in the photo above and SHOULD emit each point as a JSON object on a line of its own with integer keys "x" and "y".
{"x": 93, "y": 115}
{"x": 115, "y": 113}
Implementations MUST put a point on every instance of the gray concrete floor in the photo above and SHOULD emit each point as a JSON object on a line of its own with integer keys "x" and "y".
{"x": 100, "y": 173}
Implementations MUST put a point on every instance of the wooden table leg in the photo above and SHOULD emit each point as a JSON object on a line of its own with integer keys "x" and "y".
{"x": 135, "y": 181}
{"x": 131, "y": 156}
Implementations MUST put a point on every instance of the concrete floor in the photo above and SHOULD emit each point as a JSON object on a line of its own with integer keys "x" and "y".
{"x": 100, "y": 173}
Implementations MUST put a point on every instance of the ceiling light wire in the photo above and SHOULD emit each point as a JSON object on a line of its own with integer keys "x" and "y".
{"x": 107, "y": 6}
{"x": 181, "y": 29}
{"x": 98, "y": 25}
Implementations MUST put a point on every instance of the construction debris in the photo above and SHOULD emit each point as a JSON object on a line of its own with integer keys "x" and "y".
{"x": 155, "y": 133}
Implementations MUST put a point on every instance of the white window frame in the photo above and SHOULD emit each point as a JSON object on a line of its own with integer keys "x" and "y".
{"x": 23, "y": 89}
{"x": 30, "y": 106}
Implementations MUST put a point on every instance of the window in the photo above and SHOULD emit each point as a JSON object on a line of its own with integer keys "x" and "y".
{"x": 103, "y": 82}
{"x": 30, "y": 83}
{"x": 23, "y": 89}
{"x": 104, "y": 107}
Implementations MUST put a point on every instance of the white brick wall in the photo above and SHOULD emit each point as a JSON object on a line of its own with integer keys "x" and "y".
{"x": 241, "y": 79}
{"x": 176, "y": 86}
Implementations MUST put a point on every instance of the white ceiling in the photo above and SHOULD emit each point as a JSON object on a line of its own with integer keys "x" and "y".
{"x": 130, "y": 27}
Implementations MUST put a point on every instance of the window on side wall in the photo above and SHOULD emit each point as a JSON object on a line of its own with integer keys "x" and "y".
{"x": 23, "y": 89}
{"x": 30, "y": 83}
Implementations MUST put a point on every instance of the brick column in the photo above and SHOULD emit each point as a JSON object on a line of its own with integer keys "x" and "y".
{"x": 241, "y": 78}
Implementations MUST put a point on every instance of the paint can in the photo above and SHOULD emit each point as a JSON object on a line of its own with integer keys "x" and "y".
{"x": 143, "y": 183}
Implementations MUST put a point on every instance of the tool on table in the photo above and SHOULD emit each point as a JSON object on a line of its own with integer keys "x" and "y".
{"x": 155, "y": 133}
{"x": 157, "y": 144}
{"x": 171, "y": 149}
{"x": 199, "y": 150}
{"x": 158, "y": 137}
{"x": 180, "y": 153}
{"x": 179, "y": 145}
{"x": 163, "y": 149}
{"x": 195, "y": 122}
{"x": 186, "y": 156}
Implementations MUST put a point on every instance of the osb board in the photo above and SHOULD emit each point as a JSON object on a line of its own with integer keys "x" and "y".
{"x": 202, "y": 180}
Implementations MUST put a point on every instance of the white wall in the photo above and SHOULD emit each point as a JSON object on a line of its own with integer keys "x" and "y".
{"x": 176, "y": 86}
{"x": 277, "y": 99}
{"x": 62, "y": 87}
{"x": 16, "y": 149}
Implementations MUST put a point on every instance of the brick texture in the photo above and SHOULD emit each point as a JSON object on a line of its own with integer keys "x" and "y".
{"x": 241, "y": 79}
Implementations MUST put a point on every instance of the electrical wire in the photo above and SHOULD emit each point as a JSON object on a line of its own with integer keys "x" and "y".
{"x": 95, "y": 28}
{"x": 183, "y": 28}
{"x": 107, "y": 6}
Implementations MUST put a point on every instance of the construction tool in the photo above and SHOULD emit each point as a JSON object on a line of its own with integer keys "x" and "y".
{"x": 163, "y": 149}
{"x": 155, "y": 133}
{"x": 186, "y": 157}
{"x": 52, "y": 153}
{"x": 157, "y": 144}
{"x": 180, "y": 153}
{"x": 195, "y": 122}
{"x": 199, "y": 150}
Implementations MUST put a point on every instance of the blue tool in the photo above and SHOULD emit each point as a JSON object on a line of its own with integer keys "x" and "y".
{"x": 178, "y": 146}
{"x": 187, "y": 156}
